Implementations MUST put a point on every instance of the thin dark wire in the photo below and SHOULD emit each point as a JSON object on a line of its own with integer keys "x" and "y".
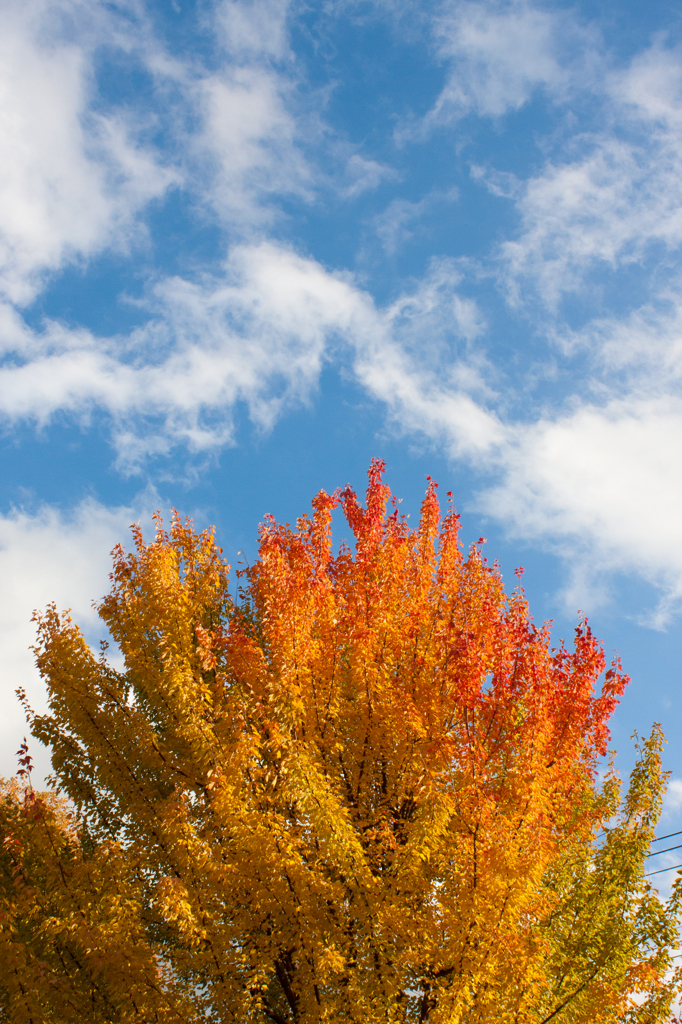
{"x": 670, "y": 835}
{"x": 656, "y": 839}
{"x": 661, "y": 870}
{"x": 667, "y": 850}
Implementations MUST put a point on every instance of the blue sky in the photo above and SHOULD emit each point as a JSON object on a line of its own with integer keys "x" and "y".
{"x": 245, "y": 246}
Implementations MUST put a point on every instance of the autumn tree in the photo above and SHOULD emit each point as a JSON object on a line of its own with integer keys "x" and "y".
{"x": 364, "y": 790}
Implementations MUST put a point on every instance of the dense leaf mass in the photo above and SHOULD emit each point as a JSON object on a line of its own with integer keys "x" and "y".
{"x": 365, "y": 790}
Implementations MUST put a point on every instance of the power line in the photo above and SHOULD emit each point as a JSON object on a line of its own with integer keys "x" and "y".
{"x": 661, "y": 870}
{"x": 667, "y": 850}
{"x": 657, "y": 839}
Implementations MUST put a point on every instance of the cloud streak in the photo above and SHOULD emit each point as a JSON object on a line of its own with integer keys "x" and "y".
{"x": 258, "y": 335}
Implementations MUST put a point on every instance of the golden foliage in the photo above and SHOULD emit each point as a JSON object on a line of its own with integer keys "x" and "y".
{"x": 363, "y": 791}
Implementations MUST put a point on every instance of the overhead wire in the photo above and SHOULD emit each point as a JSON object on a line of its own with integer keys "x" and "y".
{"x": 657, "y": 839}
{"x": 654, "y": 853}
{"x": 668, "y": 849}
{"x": 661, "y": 870}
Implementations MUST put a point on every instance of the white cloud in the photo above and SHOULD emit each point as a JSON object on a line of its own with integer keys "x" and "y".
{"x": 611, "y": 194}
{"x": 594, "y": 474}
{"x": 602, "y": 486}
{"x": 253, "y": 30}
{"x": 420, "y": 402}
{"x": 435, "y": 310}
{"x": 424, "y": 363}
{"x": 673, "y": 797}
{"x": 49, "y": 556}
{"x": 363, "y": 175}
{"x": 612, "y": 188}
{"x": 77, "y": 176}
{"x": 257, "y": 334}
{"x": 640, "y": 351}
{"x": 251, "y": 137}
{"x": 651, "y": 86}
{"x": 71, "y": 181}
{"x": 259, "y": 128}
{"x": 498, "y": 54}
{"x": 607, "y": 208}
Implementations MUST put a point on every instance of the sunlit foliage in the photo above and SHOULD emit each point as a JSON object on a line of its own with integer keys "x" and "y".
{"x": 364, "y": 790}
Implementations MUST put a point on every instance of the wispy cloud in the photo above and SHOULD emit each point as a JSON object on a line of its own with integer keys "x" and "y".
{"x": 255, "y": 334}
{"x": 72, "y": 180}
{"x": 498, "y": 54}
{"x": 258, "y": 334}
{"x": 252, "y": 138}
{"x": 402, "y": 218}
{"x": 50, "y": 555}
{"x": 253, "y": 30}
{"x": 610, "y": 195}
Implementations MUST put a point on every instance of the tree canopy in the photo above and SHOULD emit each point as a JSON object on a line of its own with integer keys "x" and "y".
{"x": 364, "y": 789}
